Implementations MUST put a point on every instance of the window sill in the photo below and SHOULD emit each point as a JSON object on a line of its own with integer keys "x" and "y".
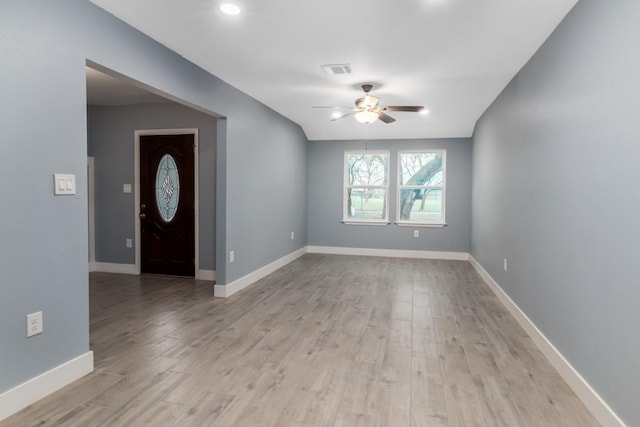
{"x": 421, "y": 224}
{"x": 351, "y": 222}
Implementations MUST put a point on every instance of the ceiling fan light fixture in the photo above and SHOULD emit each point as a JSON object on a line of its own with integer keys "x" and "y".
{"x": 366, "y": 117}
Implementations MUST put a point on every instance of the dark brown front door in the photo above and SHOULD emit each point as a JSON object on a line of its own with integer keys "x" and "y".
{"x": 166, "y": 205}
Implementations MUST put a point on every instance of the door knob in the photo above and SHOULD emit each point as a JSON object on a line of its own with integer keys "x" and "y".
{"x": 143, "y": 215}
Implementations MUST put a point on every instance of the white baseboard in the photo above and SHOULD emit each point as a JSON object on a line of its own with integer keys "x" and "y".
{"x": 110, "y": 267}
{"x": 209, "y": 275}
{"x": 251, "y": 278}
{"x": 23, "y": 395}
{"x": 598, "y": 407}
{"x": 391, "y": 253}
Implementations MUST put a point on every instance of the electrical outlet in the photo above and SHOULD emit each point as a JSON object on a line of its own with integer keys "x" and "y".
{"x": 34, "y": 324}
{"x": 232, "y": 256}
{"x": 129, "y": 243}
{"x": 416, "y": 233}
{"x": 293, "y": 235}
{"x": 505, "y": 264}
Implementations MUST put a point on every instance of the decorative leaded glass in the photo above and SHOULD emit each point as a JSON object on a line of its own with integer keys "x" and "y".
{"x": 167, "y": 187}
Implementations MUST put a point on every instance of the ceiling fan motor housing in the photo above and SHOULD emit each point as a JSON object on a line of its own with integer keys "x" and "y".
{"x": 367, "y": 102}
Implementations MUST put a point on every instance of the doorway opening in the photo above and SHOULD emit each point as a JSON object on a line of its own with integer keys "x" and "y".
{"x": 119, "y": 112}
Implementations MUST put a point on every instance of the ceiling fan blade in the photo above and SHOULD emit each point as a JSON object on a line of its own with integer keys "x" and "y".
{"x": 409, "y": 108}
{"x": 342, "y": 116}
{"x": 385, "y": 117}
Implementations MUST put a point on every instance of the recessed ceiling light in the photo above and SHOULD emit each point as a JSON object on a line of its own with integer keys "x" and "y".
{"x": 336, "y": 114}
{"x": 229, "y": 9}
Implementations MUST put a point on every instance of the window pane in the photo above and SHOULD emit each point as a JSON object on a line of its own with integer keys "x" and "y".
{"x": 367, "y": 168}
{"x": 167, "y": 187}
{"x": 421, "y": 205}
{"x": 421, "y": 169}
{"x": 435, "y": 179}
{"x": 366, "y": 203}
{"x": 421, "y": 178}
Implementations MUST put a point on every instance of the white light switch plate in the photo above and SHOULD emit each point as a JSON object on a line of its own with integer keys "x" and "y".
{"x": 64, "y": 184}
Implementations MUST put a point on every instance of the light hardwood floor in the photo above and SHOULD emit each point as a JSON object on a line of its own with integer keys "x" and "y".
{"x": 325, "y": 341}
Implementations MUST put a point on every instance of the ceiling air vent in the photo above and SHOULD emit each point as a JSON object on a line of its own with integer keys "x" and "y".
{"x": 335, "y": 69}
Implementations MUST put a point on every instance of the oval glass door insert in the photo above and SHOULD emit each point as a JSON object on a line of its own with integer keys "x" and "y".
{"x": 167, "y": 187}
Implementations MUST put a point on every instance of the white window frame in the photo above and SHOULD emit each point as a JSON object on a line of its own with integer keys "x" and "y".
{"x": 422, "y": 223}
{"x": 351, "y": 221}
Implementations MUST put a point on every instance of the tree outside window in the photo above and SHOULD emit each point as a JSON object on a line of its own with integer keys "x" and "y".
{"x": 366, "y": 187}
{"x": 421, "y": 187}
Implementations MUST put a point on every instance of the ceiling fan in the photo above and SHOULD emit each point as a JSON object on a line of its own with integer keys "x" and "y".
{"x": 368, "y": 110}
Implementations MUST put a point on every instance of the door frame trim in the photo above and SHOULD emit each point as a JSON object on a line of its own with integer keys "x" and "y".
{"x": 196, "y": 190}
{"x": 91, "y": 209}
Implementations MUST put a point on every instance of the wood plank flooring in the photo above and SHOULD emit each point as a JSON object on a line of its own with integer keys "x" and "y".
{"x": 325, "y": 341}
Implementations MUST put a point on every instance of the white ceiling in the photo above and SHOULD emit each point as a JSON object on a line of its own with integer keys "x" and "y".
{"x": 451, "y": 56}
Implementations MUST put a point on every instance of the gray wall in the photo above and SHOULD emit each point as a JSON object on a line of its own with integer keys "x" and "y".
{"x": 266, "y": 175}
{"x": 111, "y": 132}
{"x": 555, "y": 191}
{"x": 44, "y": 47}
{"x": 326, "y": 172}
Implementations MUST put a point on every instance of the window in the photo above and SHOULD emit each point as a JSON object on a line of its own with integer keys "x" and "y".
{"x": 366, "y": 182}
{"x": 421, "y": 187}
{"x": 167, "y": 187}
